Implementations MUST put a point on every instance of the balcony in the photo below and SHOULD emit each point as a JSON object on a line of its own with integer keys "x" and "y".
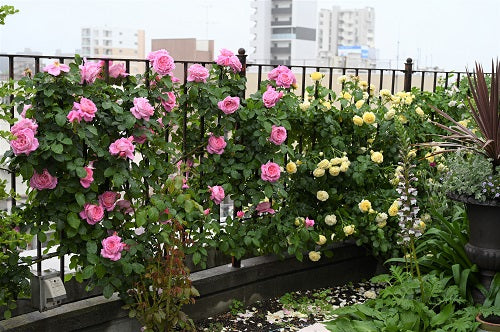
{"x": 281, "y": 50}
{"x": 281, "y": 11}
{"x": 281, "y": 23}
{"x": 283, "y": 36}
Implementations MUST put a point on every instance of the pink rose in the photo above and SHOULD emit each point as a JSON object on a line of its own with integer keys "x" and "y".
{"x": 216, "y": 144}
{"x": 240, "y": 214}
{"x": 162, "y": 62}
{"x": 286, "y": 79}
{"x": 112, "y": 247}
{"x": 197, "y": 73}
{"x": 56, "y": 68}
{"x": 92, "y": 213}
{"x": 227, "y": 58}
{"x": 43, "y": 181}
{"x": 142, "y": 108}
{"x": 90, "y": 71}
{"x": 142, "y": 138}
{"x": 25, "y": 142}
{"x": 271, "y": 96}
{"x": 206, "y": 212}
{"x": 309, "y": 222}
{"x": 273, "y": 74}
{"x": 87, "y": 180}
{"x": 87, "y": 109}
{"x": 278, "y": 135}
{"x": 217, "y": 194}
{"x": 125, "y": 206}
{"x": 24, "y": 124}
{"x": 108, "y": 200}
{"x": 117, "y": 70}
{"x": 184, "y": 184}
{"x": 123, "y": 148}
{"x": 270, "y": 172}
{"x": 264, "y": 207}
{"x": 74, "y": 114}
{"x": 229, "y": 105}
{"x": 168, "y": 101}
{"x": 25, "y": 108}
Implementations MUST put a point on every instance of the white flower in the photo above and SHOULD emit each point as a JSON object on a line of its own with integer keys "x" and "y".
{"x": 331, "y": 219}
{"x": 369, "y": 294}
{"x": 452, "y": 103}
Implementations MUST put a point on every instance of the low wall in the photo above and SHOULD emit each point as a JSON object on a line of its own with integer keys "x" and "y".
{"x": 259, "y": 278}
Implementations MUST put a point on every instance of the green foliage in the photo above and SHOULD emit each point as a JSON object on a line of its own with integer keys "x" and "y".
{"x": 6, "y": 10}
{"x": 236, "y": 307}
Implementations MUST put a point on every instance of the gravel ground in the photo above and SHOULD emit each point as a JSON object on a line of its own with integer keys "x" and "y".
{"x": 291, "y": 312}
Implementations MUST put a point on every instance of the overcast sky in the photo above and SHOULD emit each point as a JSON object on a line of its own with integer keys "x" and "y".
{"x": 449, "y": 34}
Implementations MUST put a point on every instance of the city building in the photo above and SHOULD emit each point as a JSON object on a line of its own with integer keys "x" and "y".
{"x": 185, "y": 49}
{"x": 346, "y": 37}
{"x": 284, "y": 32}
{"x": 108, "y": 42}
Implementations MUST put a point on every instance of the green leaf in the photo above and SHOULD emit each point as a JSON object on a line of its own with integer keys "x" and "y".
{"x": 80, "y": 199}
{"x": 88, "y": 271}
{"x": 268, "y": 190}
{"x": 140, "y": 218}
{"x": 443, "y": 315}
{"x": 73, "y": 220}
{"x": 138, "y": 268}
{"x": 196, "y": 258}
{"x": 92, "y": 130}
{"x": 91, "y": 247}
{"x": 61, "y": 119}
{"x": 81, "y": 172}
{"x": 57, "y": 148}
{"x": 188, "y": 206}
{"x": 107, "y": 291}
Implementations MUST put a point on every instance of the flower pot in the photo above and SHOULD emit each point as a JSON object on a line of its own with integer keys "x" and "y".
{"x": 492, "y": 323}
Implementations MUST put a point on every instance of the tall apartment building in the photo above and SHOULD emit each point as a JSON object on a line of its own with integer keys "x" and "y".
{"x": 284, "y": 32}
{"x": 108, "y": 42}
{"x": 346, "y": 35}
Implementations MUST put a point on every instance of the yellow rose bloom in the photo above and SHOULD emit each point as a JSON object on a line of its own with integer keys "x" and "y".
{"x": 299, "y": 221}
{"x": 369, "y": 117}
{"x": 327, "y": 105}
{"x": 464, "y": 122}
{"x": 349, "y": 230}
{"x": 393, "y": 209}
{"x": 341, "y": 79}
{"x": 291, "y": 167}
{"x": 420, "y": 112}
{"x": 381, "y": 224}
{"x": 316, "y": 76}
{"x": 377, "y": 157}
{"x": 365, "y": 205}
{"x": 298, "y": 162}
{"x": 322, "y": 195}
{"x": 358, "y": 121}
{"x": 390, "y": 114}
{"x": 385, "y": 93}
{"x": 322, "y": 240}
{"x": 314, "y": 256}
{"x": 412, "y": 153}
{"x": 305, "y": 106}
{"x": 318, "y": 172}
{"x": 359, "y": 103}
{"x": 403, "y": 119}
{"x": 429, "y": 157}
{"x": 331, "y": 219}
{"x": 347, "y": 96}
{"x": 325, "y": 163}
{"x": 334, "y": 170}
{"x": 336, "y": 161}
{"x": 344, "y": 166}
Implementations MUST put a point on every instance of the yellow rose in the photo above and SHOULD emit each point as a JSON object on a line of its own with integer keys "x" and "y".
{"x": 305, "y": 106}
{"x": 314, "y": 256}
{"x": 336, "y": 161}
{"x": 381, "y": 224}
{"x": 322, "y": 195}
{"x": 318, "y": 172}
{"x": 402, "y": 119}
{"x": 347, "y": 96}
{"x": 429, "y": 157}
{"x": 298, "y": 162}
{"x": 299, "y": 221}
{"x": 325, "y": 163}
{"x": 359, "y": 103}
{"x": 331, "y": 219}
{"x": 316, "y": 76}
{"x": 393, "y": 209}
{"x": 385, "y": 93}
{"x": 421, "y": 226}
{"x": 363, "y": 84}
{"x": 358, "y": 121}
{"x": 344, "y": 166}
{"x": 291, "y": 167}
{"x": 464, "y": 122}
{"x": 377, "y": 157}
{"x": 334, "y": 170}
{"x": 420, "y": 112}
{"x": 365, "y": 205}
{"x": 370, "y": 140}
{"x": 341, "y": 79}
{"x": 412, "y": 153}
{"x": 369, "y": 117}
{"x": 390, "y": 114}
{"x": 349, "y": 230}
{"x": 327, "y": 105}
{"x": 322, "y": 240}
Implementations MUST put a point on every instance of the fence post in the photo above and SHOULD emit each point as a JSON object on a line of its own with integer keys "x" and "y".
{"x": 408, "y": 74}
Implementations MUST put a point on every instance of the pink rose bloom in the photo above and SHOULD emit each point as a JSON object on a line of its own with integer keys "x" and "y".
{"x": 162, "y": 62}
{"x": 92, "y": 213}
{"x": 125, "y": 206}
{"x": 25, "y": 142}
{"x": 74, "y": 114}
{"x": 197, "y": 73}
{"x": 309, "y": 222}
{"x": 117, "y": 70}
{"x": 270, "y": 172}
{"x": 56, "y": 68}
{"x": 122, "y": 148}
{"x": 206, "y": 212}
{"x": 24, "y": 124}
{"x": 184, "y": 184}
{"x": 108, "y": 200}
{"x": 264, "y": 207}
{"x": 25, "y": 108}
{"x": 271, "y": 96}
{"x": 273, "y": 74}
{"x": 227, "y": 58}
{"x": 229, "y": 105}
{"x": 240, "y": 214}
{"x": 168, "y": 101}
{"x": 87, "y": 180}
{"x": 216, "y": 144}
{"x": 278, "y": 135}
{"x": 139, "y": 231}
{"x": 142, "y": 108}
{"x": 217, "y": 194}
{"x": 286, "y": 79}
{"x": 142, "y": 138}
{"x": 43, "y": 181}
{"x": 90, "y": 71}
{"x": 86, "y": 108}
{"x": 112, "y": 247}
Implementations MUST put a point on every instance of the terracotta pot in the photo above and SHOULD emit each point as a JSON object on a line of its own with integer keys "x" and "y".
{"x": 488, "y": 325}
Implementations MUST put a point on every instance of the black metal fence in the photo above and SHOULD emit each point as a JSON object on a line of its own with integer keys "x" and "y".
{"x": 15, "y": 65}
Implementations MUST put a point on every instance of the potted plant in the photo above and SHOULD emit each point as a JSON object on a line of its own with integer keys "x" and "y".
{"x": 473, "y": 176}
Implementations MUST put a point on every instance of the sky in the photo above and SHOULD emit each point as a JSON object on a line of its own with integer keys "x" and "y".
{"x": 449, "y": 34}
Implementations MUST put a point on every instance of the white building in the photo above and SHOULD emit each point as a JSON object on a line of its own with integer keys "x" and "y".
{"x": 284, "y": 32}
{"x": 107, "y": 42}
{"x": 346, "y": 37}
